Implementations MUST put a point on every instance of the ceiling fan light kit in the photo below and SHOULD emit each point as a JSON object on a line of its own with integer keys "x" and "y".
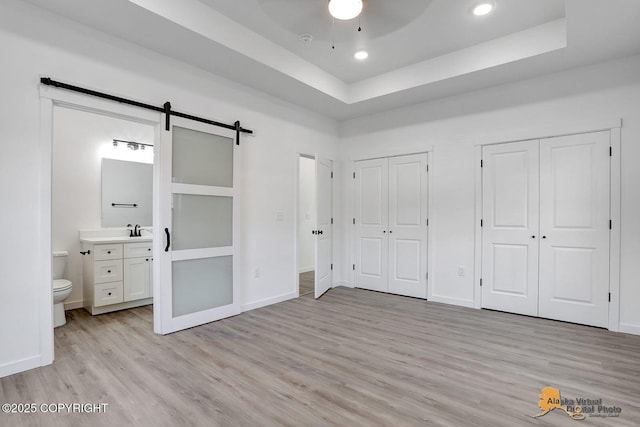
{"x": 345, "y": 9}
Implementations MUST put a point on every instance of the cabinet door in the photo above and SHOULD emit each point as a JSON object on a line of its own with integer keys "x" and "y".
{"x": 137, "y": 278}
{"x": 408, "y": 225}
{"x": 372, "y": 220}
{"x": 510, "y": 203}
{"x": 574, "y": 224}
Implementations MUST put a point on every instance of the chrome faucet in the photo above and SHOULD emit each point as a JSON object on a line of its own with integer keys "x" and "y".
{"x": 130, "y": 230}
{"x": 137, "y": 231}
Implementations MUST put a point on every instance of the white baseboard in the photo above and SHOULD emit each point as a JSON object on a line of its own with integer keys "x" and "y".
{"x": 306, "y": 269}
{"x": 628, "y": 328}
{"x": 452, "y": 301}
{"x": 343, "y": 283}
{"x": 268, "y": 301}
{"x": 72, "y": 305}
{"x": 20, "y": 366}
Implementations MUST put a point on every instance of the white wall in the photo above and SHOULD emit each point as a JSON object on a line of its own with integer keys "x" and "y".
{"x": 306, "y": 215}
{"x": 577, "y": 99}
{"x": 35, "y": 43}
{"x": 80, "y": 141}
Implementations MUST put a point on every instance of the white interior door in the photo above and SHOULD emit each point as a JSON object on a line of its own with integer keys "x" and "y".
{"x": 510, "y": 204}
{"x": 197, "y": 230}
{"x": 324, "y": 230}
{"x": 407, "y": 231}
{"x": 574, "y": 224}
{"x": 372, "y": 219}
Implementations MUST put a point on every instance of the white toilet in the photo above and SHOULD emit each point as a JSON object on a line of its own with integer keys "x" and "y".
{"x": 61, "y": 287}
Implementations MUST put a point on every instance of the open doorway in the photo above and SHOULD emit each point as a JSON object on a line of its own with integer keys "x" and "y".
{"x": 307, "y": 224}
{"x": 101, "y": 196}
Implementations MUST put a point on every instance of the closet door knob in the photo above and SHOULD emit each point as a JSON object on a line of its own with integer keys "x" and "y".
{"x": 390, "y": 231}
{"x": 384, "y": 231}
{"x": 533, "y": 237}
{"x": 544, "y": 237}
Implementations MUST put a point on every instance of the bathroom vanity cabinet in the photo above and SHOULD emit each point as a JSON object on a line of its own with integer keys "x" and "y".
{"x": 116, "y": 275}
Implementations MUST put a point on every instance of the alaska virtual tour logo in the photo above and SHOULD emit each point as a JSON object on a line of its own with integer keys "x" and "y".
{"x": 578, "y": 408}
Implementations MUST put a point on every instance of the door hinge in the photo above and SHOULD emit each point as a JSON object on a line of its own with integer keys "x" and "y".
{"x": 332, "y": 174}
{"x": 610, "y": 225}
{"x": 427, "y": 222}
{"x": 610, "y": 151}
{"x": 481, "y": 163}
{"x": 354, "y": 175}
{"x": 354, "y": 221}
{"x": 331, "y": 221}
{"x": 481, "y": 222}
{"x": 427, "y": 275}
{"x": 481, "y": 282}
{"x": 609, "y": 296}
{"x": 427, "y": 168}
{"x": 354, "y": 267}
{"x": 332, "y": 266}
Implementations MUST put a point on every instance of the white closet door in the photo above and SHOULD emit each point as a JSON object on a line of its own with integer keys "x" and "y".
{"x": 372, "y": 218}
{"x": 574, "y": 224}
{"x": 323, "y": 276}
{"x": 408, "y": 225}
{"x": 510, "y": 227}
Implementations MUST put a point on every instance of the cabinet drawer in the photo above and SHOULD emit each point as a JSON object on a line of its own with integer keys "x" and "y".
{"x": 107, "y": 271}
{"x": 107, "y": 251}
{"x": 137, "y": 250}
{"x": 108, "y": 293}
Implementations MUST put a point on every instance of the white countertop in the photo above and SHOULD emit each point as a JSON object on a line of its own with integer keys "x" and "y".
{"x": 116, "y": 239}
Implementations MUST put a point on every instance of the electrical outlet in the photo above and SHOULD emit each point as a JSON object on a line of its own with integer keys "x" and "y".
{"x": 256, "y": 273}
{"x": 461, "y": 271}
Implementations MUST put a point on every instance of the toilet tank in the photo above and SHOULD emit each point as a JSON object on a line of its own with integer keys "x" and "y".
{"x": 59, "y": 264}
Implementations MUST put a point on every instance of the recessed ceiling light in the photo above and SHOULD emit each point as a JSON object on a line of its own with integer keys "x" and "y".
{"x": 361, "y": 55}
{"x": 482, "y": 9}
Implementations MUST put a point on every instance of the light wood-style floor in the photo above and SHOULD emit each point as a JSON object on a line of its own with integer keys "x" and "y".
{"x": 352, "y": 358}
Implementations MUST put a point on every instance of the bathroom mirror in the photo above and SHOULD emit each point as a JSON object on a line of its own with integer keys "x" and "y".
{"x": 127, "y": 193}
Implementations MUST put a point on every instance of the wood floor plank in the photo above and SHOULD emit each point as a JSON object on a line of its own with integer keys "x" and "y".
{"x": 351, "y": 358}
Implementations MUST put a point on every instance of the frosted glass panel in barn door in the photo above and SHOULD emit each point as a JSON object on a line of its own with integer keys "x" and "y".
{"x": 407, "y": 231}
{"x": 198, "y": 217}
{"x": 510, "y": 201}
{"x": 574, "y": 224}
{"x": 324, "y": 232}
{"x": 372, "y": 219}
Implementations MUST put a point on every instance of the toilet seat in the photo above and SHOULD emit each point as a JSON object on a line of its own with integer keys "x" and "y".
{"x": 61, "y": 285}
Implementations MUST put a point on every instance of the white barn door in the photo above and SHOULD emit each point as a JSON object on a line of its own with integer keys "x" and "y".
{"x": 197, "y": 233}
{"x": 510, "y": 227}
{"x": 574, "y": 224}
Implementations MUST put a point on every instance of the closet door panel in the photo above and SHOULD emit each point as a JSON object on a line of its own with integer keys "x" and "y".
{"x": 408, "y": 225}
{"x": 372, "y": 218}
{"x": 510, "y": 227}
{"x": 574, "y": 206}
